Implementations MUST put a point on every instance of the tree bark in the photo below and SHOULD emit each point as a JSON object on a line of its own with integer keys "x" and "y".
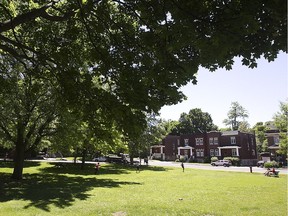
{"x": 19, "y": 153}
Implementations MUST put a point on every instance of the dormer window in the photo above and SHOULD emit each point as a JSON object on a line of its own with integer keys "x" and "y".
{"x": 233, "y": 140}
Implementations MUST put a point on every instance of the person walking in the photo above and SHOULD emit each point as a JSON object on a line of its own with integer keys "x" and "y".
{"x": 182, "y": 165}
{"x": 137, "y": 168}
{"x": 97, "y": 167}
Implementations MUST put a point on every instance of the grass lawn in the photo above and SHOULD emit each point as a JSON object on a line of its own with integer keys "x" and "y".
{"x": 118, "y": 190}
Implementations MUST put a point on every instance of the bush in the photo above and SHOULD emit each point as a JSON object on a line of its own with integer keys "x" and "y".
{"x": 234, "y": 160}
{"x": 271, "y": 164}
{"x": 213, "y": 159}
{"x": 183, "y": 158}
{"x": 207, "y": 160}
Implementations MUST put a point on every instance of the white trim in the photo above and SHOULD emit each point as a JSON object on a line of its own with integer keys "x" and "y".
{"x": 186, "y": 148}
{"x": 230, "y": 147}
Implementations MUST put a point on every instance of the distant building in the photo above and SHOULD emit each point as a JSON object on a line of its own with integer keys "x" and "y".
{"x": 201, "y": 147}
{"x": 273, "y": 140}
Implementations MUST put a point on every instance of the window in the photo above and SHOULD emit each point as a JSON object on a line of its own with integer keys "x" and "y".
{"x": 234, "y": 152}
{"x": 276, "y": 140}
{"x": 216, "y": 152}
{"x": 198, "y": 152}
{"x": 233, "y": 140}
{"x": 210, "y": 141}
{"x": 186, "y": 142}
{"x": 253, "y": 152}
{"x": 215, "y": 140}
{"x": 252, "y": 141}
{"x": 248, "y": 146}
{"x": 202, "y": 152}
{"x": 178, "y": 142}
{"x": 199, "y": 141}
{"x": 211, "y": 152}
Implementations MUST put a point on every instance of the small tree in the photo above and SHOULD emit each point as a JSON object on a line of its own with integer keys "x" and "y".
{"x": 281, "y": 122}
{"x": 261, "y": 140}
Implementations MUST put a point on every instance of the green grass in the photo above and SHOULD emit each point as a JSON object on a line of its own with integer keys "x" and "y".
{"x": 47, "y": 190}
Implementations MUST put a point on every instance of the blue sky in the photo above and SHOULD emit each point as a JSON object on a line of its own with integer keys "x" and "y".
{"x": 258, "y": 90}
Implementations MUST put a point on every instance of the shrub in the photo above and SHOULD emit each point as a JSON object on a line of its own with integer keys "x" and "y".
{"x": 234, "y": 160}
{"x": 207, "y": 160}
{"x": 213, "y": 159}
{"x": 182, "y": 159}
{"x": 271, "y": 164}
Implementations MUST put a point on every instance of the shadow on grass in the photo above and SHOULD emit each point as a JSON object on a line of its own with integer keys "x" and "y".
{"x": 10, "y": 164}
{"x": 155, "y": 168}
{"x": 107, "y": 169}
{"x": 43, "y": 190}
{"x": 75, "y": 169}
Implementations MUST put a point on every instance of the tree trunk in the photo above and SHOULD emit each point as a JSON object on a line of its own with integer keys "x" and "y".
{"x": 18, "y": 161}
{"x": 19, "y": 153}
{"x": 83, "y": 158}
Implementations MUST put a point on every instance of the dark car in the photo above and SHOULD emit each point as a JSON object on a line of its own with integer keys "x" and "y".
{"x": 260, "y": 163}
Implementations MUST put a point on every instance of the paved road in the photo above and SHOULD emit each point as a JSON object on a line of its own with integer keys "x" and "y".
{"x": 188, "y": 165}
{"x": 209, "y": 167}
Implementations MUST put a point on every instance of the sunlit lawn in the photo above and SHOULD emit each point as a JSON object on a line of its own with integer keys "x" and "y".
{"x": 47, "y": 190}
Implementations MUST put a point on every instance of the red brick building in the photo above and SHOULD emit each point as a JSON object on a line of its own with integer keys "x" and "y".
{"x": 201, "y": 147}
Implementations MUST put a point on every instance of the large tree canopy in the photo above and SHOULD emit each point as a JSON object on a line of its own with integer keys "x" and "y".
{"x": 196, "y": 121}
{"x": 121, "y": 59}
{"x": 138, "y": 53}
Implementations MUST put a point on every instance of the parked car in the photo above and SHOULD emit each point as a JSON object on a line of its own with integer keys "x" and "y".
{"x": 260, "y": 163}
{"x": 225, "y": 163}
{"x": 100, "y": 159}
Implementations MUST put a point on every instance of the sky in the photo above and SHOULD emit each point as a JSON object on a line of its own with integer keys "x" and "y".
{"x": 259, "y": 90}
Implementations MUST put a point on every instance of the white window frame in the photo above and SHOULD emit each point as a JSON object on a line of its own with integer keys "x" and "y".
{"x": 186, "y": 142}
{"x": 234, "y": 152}
{"x": 216, "y": 152}
{"x": 197, "y": 153}
{"x": 233, "y": 140}
{"x": 211, "y": 141}
{"x": 215, "y": 140}
{"x": 199, "y": 141}
{"x": 211, "y": 152}
{"x": 202, "y": 152}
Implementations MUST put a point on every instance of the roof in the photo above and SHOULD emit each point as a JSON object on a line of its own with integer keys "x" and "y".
{"x": 230, "y": 133}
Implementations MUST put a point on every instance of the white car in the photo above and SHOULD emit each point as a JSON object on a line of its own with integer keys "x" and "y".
{"x": 225, "y": 163}
{"x": 100, "y": 159}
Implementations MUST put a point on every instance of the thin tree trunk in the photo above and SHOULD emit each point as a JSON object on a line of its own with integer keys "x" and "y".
{"x": 83, "y": 158}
